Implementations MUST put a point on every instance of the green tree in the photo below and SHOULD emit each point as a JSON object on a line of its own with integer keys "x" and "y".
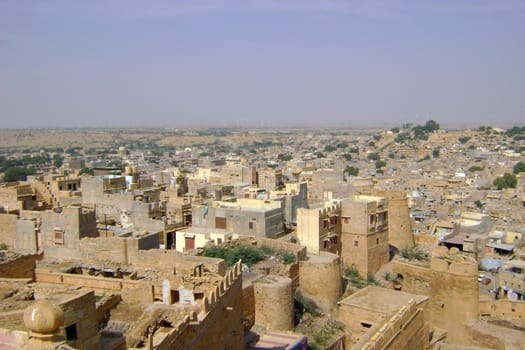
{"x": 421, "y": 131}
{"x": 58, "y": 160}
{"x": 73, "y": 151}
{"x": 519, "y": 168}
{"x": 284, "y": 157}
{"x": 380, "y": 164}
{"x": 395, "y": 130}
{"x": 329, "y": 148}
{"x": 431, "y": 126}
{"x": 426, "y": 157}
{"x": 85, "y": 170}
{"x": 435, "y": 153}
{"x": 464, "y": 139}
{"x": 351, "y": 170}
{"x": 400, "y": 138}
{"x": 506, "y": 181}
{"x": 475, "y": 168}
{"x": 373, "y": 156}
{"x": 347, "y": 156}
{"x": 17, "y": 174}
{"x": 515, "y": 130}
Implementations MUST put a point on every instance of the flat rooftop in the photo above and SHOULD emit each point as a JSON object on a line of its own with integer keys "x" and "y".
{"x": 381, "y": 300}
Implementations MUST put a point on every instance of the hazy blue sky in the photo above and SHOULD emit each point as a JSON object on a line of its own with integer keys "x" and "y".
{"x": 260, "y": 62}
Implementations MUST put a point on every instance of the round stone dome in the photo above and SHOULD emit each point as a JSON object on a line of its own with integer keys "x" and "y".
{"x": 43, "y": 317}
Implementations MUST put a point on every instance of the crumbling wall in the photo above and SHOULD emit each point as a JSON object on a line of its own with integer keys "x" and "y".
{"x": 21, "y": 266}
{"x": 105, "y": 305}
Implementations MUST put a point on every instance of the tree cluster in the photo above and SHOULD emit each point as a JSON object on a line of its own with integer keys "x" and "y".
{"x": 506, "y": 181}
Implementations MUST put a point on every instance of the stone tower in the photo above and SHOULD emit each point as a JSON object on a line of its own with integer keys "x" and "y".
{"x": 399, "y": 223}
{"x": 454, "y": 292}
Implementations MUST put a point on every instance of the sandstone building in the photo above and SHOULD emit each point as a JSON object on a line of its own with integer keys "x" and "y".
{"x": 364, "y": 233}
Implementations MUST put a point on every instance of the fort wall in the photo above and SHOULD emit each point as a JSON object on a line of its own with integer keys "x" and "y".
{"x": 451, "y": 283}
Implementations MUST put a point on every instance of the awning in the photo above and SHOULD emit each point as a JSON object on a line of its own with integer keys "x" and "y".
{"x": 501, "y": 246}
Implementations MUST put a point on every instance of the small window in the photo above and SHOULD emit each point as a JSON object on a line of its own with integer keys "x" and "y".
{"x": 59, "y": 237}
{"x": 377, "y": 240}
{"x": 325, "y": 244}
{"x": 250, "y": 225}
{"x": 356, "y": 243}
{"x": 366, "y": 324}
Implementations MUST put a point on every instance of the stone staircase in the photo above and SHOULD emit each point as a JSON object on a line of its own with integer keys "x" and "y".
{"x": 44, "y": 195}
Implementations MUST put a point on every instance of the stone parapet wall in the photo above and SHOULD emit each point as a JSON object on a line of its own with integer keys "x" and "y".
{"x": 98, "y": 284}
{"x": 504, "y": 309}
{"x": 298, "y": 250}
{"x": 19, "y": 267}
{"x": 414, "y": 279}
{"x": 219, "y": 321}
{"x": 12, "y": 320}
{"x": 125, "y": 250}
{"x": 404, "y": 330}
